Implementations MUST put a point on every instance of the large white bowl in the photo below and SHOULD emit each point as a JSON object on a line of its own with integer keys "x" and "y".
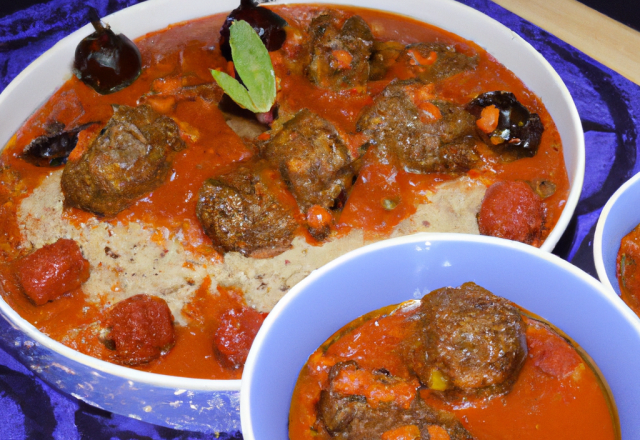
{"x": 618, "y": 217}
{"x": 405, "y": 268}
{"x": 212, "y": 405}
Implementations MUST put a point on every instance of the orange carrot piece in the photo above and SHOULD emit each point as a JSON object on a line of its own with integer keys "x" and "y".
{"x": 425, "y": 93}
{"x": 438, "y": 433}
{"x": 364, "y": 383}
{"x": 407, "y": 432}
{"x": 167, "y": 84}
{"x": 318, "y": 217}
{"x": 85, "y": 139}
{"x": 488, "y": 119}
{"x": 431, "y": 112}
{"x": 342, "y": 59}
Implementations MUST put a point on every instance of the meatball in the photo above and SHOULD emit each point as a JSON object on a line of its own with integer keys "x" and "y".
{"x": 512, "y": 210}
{"x": 235, "y": 334}
{"x": 312, "y": 158}
{"x": 241, "y": 212}
{"x": 428, "y": 62}
{"x": 338, "y": 55}
{"x": 627, "y": 268}
{"x": 422, "y": 135}
{"x": 130, "y": 157}
{"x": 467, "y": 342}
{"x": 139, "y": 329}
{"x": 52, "y": 271}
{"x": 352, "y": 416}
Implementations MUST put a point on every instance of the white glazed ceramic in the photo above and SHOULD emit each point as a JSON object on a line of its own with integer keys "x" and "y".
{"x": 212, "y": 405}
{"x": 618, "y": 217}
{"x": 405, "y": 268}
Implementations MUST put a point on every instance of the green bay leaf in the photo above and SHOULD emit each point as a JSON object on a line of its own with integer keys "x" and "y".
{"x": 253, "y": 64}
{"x": 234, "y": 89}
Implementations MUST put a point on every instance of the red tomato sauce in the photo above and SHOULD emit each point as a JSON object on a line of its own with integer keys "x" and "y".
{"x": 182, "y": 55}
{"x": 557, "y": 393}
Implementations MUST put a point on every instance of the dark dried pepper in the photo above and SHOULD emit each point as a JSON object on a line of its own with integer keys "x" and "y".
{"x": 518, "y": 131}
{"x": 105, "y": 61}
{"x": 267, "y": 24}
{"x": 53, "y": 149}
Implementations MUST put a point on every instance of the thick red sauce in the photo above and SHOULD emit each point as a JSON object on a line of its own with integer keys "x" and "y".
{"x": 557, "y": 394}
{"x": 183, "y": 55}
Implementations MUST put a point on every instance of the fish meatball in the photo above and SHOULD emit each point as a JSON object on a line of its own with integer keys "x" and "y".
{"x": 241, "y": 212}
{"x": 132, "y": 156}
{"x": 361, "y": 405}
{"x": 312, "y": 158}
{"x": 428, "y": 62}
{"x": 467, "y": 342}
{"x": 421, "y": 134}
{"x": 339, "y": 53}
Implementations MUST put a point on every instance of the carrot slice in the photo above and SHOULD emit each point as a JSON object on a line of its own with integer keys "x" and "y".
{"x": 438, "y": 433}
{"x": 431, "y": 113}
{"x": 407, "y": 432}
{"x": 318, "y": 217}
{"x": 342, "y": 59}
{"x": 488, "y": 121}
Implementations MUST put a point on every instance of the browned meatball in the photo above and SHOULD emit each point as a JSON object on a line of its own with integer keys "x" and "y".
{"x": 428, "y": 62}
{"x": 240, "y": 212}
{"x": 312, "y": 158}
{"x": 353, "y": 417}
{"x": 468, "y": 342}
{"x": 130, "y": 157}
{"x": 438, "y": 137}
{"x": 140, "y": 329}
{"x": 512, "y": 210}
{"x": 339, "y": 51}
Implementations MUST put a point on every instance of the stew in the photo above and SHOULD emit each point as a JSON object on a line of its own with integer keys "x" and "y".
{"x": 207, "y": 213}
{"x": 461, "y": 363}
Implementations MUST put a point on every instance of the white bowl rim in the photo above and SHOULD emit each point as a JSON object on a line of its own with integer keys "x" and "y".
{"x": 298, "y": 289}
{"x": 597, "y": 237}
{"x": 226, "y": 385}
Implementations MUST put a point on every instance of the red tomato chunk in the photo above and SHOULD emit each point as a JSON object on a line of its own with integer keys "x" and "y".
{"x": 512, "y": 210}
{"x": 52, "y": 271}
{"x": 235, "y": 335}
{"x": 141, "y": 329}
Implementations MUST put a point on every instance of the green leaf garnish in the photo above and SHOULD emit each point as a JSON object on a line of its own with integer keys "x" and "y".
{"x": 253, "y": 64}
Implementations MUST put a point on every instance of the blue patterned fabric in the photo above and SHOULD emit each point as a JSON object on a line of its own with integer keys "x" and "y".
{"x": 609, "y": 107}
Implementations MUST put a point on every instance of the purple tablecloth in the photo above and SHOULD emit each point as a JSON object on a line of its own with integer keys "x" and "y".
{"x": 609, "y": 107}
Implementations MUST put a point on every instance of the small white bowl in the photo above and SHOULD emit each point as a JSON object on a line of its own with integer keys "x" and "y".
{"x": 618, "y": 217}
{"x": 212, "y": 405}
{"x": 406, "y": 268}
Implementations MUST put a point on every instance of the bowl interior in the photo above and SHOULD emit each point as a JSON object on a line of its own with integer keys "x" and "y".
{"x": 406, "y": 268}
{"x": 619, "y": 216}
